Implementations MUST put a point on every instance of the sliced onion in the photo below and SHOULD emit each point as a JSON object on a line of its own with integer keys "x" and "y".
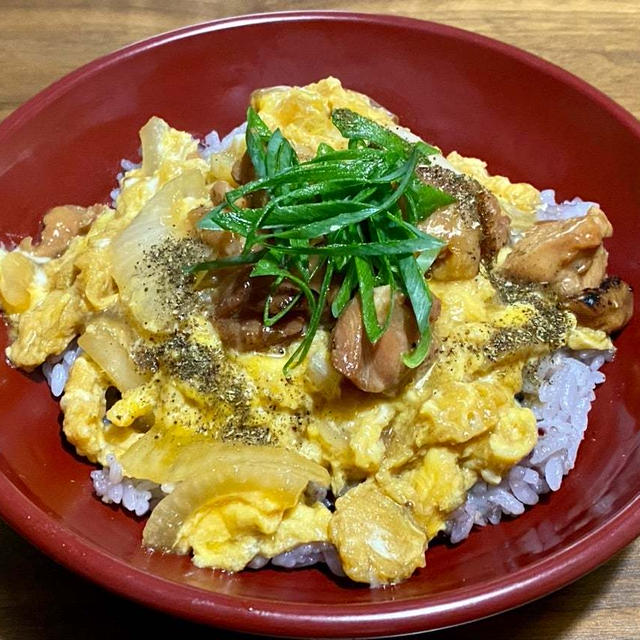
{"x": 107, "y": 341}
{"x": 239, "y": 472}
{"x": 151, "y": 141}
{"x": 152, "y": 225}
{"x": 148, "y": 229}
{"x": 174, "y": 456}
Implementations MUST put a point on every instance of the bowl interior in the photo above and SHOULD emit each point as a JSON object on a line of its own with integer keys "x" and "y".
{"x": 459, "y": 91}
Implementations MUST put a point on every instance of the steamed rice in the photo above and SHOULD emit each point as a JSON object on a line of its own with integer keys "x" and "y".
{"x": 56, "y": 369}
{"x": 212, "y": 143}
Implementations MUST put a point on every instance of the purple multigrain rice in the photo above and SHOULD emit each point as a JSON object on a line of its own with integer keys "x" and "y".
{"x": 549, "y": 209}
{"x": 56, "y": 368}
{"x": 566, "y": 392}
{"x": 213, "y": 144}
{"x": 111, "y": 486}
{"x": 304, "y": 555}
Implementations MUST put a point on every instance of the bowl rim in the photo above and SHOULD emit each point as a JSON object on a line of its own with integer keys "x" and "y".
{"x": 282, "y": 618}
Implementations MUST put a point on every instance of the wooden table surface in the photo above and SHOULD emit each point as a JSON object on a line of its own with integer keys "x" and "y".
{"x": 43, "y": 40}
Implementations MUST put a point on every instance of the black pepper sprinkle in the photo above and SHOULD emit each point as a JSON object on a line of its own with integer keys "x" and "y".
{"x": 460, "y": 187}
{"x": 162, "y": 266}
{"x": 548, "y": 324}
{"x": 208, "y": 370}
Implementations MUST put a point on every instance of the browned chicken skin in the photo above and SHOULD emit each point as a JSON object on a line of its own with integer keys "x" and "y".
{"x": 495, "y": 224}
{"x": 569, "y": 256}
{"x": 566, "y": 254}
{"x": 474, "y": 228}
{"x": 238, "y": 306}
{"x": 242, "y": 170}
{"x": 375, "y": 367}
{"x": 608, "y": 307}
{"x": 249, "y": 334}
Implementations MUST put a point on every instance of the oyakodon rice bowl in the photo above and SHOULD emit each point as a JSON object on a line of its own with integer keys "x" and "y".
{"x": 317, "y": 339}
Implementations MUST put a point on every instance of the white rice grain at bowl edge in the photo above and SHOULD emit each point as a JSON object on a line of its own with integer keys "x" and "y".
{"x": 56, "y": 368}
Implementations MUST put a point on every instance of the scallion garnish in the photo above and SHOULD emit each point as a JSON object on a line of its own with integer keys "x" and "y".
{"x": 348, "y": 215}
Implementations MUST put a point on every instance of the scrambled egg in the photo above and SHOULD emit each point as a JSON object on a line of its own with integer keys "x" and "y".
{"x": 303, "y": 114}
{"x": 400, "y": 465}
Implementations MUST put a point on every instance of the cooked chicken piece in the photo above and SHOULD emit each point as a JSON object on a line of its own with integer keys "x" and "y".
{"x": 239, "y": 302}
{"x": 460, "y": 258}
{"x": 238, "y": 310}
{"x": 495, "y": 224}
{"x": 608, "y": 307}
{"x": 238, "y": 292}
{"x": 218, "y": 193}
{"x": 61, "y": 225}
{"x": 243, "y": 171}
{"x": 249, "y": 334}
{"x": 375, "y": 367}
{"x": 566, "y": 254}
{"x": 473, "y": 228}
{"x": 224, "y": 243}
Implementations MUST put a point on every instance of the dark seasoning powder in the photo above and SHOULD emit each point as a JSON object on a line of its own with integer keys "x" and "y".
{"x": 548, "y": 325}
{"x": 460, "y": 187}
{"x": 205, "y": 368}
{"x": 162, "y": 267}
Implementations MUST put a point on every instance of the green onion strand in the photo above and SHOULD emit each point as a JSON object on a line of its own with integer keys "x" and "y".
{"x": 350, "y": 214}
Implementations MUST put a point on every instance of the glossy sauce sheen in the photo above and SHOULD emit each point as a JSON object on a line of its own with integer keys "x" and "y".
{"x": 41, "y": 479}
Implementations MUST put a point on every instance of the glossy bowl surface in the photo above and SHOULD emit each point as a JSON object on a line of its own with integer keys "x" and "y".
{"x": 526, "y": 118}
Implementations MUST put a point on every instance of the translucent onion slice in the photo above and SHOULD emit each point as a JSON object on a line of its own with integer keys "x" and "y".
{"x": 274, "y": 476}
{"x": 163, "y": 146}
{"x": 148, "y": 229}
{"x": 107, "y": 341}
{"x": 151, "y": 136}
{"x": 172, "y": 457}
{"x": 152, "y": 225}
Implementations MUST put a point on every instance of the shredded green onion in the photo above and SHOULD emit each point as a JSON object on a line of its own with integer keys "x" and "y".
{"x": 349, "y": 215}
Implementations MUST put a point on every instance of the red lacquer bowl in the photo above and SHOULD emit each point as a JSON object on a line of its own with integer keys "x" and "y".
{"x": 525, "y": 117}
